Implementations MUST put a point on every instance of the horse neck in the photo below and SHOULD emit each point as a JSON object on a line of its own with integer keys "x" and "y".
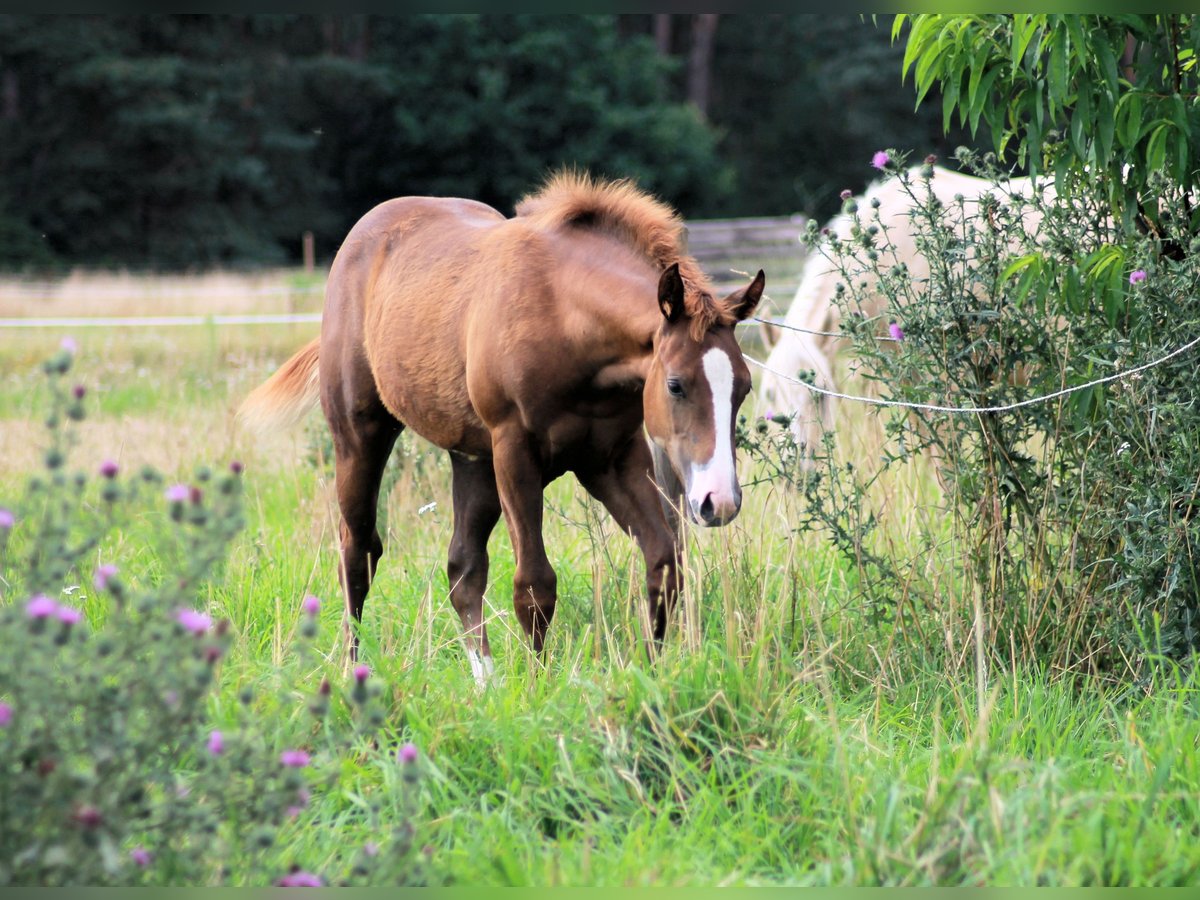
{"x": 613, "y": 296}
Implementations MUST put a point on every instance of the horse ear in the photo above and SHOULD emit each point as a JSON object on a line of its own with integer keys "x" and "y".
{"x": 742, "y": 303}
{"x": 670, "y": 293}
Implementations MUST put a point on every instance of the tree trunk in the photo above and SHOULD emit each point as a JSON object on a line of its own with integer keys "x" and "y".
{"x": 662, "y": 33}
{"x": 12, "y": 95}
{"x": 704, "y": 33}
{"x": 360, "y": 41}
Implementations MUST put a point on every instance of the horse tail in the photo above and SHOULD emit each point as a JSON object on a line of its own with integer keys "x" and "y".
{"x": 286, "y": 397}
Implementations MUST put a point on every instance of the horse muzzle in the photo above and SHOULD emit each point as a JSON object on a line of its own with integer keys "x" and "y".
{"x": 715, "y": 508}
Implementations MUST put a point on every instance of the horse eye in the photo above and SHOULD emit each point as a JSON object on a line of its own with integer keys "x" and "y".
{"x": 675, "y": 387}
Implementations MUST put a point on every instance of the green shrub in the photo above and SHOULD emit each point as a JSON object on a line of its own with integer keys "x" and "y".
{"x": 1071, "y": 521}
{"x": 111, "y": 772}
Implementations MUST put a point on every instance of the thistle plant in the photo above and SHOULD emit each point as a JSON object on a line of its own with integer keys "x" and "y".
{"x": 111, "y": 772}
{"x": 1071, "y": 522}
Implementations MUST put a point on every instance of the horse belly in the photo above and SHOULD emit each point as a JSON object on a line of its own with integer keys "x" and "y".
{"x": 432, "y": 400}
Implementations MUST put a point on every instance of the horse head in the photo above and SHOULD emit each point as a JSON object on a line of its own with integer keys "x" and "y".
{"x": 696, "y": 383}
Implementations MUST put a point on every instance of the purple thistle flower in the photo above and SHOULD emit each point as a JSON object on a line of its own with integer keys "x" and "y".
{"x": 88, "y": 816}
{"x": 177, "y": 493}
{"x": 880, "y": 160}
{"x": 294, "y": 759}
{"x": 770, "y": 415}
{"x": 7, "y": 519}
{"x": 302, "y": 798}
{"x": 1137, "y": 276}
{"x": 216, "y": 743}
{"x": 68, "y": 615}
{"x": 846, "y": 194}
{"x": 311, "y": 604}
{"x": 895, "y": 331}
{"x": 236, "y": 467}
{"x": 140, "y": 856}
{"x": 68, "y": 344}
{"x": 103, "y": 575}
{"x": 40, "y": 607}
{"x": 6, "y": 714}
{"x": 193, "y": 621}
{"x": 408, "y": 753}
{"x": 79, "y": 392}
{"x": 361, "y": 672}
{"x": 300, "y": 878}
{"x": 109, "y": 468}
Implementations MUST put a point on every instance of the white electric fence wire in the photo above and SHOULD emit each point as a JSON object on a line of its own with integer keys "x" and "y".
{"x": 975, "y": 410}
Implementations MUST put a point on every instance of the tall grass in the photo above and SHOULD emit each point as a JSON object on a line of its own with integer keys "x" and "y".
{"x": 791, "y": 733}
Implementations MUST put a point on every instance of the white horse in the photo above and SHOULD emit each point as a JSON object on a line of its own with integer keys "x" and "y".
{"x": 813, "y": 309}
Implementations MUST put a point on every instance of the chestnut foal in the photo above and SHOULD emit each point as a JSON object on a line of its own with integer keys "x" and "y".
{"x": 526, "y": 347}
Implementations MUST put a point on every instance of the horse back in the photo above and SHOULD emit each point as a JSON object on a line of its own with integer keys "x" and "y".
{"x": 401, "y": 301}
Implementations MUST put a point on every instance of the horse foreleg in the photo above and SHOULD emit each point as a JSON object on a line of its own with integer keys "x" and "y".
{"x": 519, "y": 480}
{"x": 476, "y": 511}
{"x": 628, "y": 491}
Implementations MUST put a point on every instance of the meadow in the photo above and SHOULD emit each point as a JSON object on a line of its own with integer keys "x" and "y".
{"x": 789, "y": 734}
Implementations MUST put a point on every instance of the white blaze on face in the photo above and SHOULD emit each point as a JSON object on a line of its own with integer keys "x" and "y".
{"x": 715, "y": 478}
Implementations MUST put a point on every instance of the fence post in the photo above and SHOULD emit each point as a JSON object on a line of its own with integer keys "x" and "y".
{"x": 309, "y": 261}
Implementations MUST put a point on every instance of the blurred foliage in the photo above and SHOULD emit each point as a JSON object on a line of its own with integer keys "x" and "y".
{"x": 192, "y": 142}
{"x": 803, "y": 101}
{"x": 1105, "y": 103}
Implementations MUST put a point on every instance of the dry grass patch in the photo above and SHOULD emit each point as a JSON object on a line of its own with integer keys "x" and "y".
{"x": 125, "y": 294}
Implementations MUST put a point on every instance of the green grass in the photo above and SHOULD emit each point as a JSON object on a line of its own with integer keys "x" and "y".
{"x": 786, "y": 736}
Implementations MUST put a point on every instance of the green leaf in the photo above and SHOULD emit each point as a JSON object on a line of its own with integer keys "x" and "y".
{"x": 1078, "y": 46}
{"x": 979, "y": 65}
{"x": 984, "y": 100}
{"x": 1113, "y": 296}
{"x": 1100, "y": 261}
{"x": 1072, "y": 292}
{"x": 1081, "y": 122}
{"x": 1156, "y": 149}
{"x": 1020, "y": 264}
{"x": 1084, "y": 402}
{"x": 1129, "y": 116}
{"x": 1024, "y": 28}
{"x": 918, "y": 37}
{"x": 949, "y": 101}
{"x": 1179, "y": 163}
{"x": 1056, "y": 81}
{"x": 1105, "y": 127}
{"x": 1107, "y": 61}
{"x": 1030, "y": 278}
{"x": 1179, "y": 113}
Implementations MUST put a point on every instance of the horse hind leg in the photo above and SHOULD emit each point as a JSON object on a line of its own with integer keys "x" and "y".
{"x": 362, "y": 442}
{"x": 476, "y": 511}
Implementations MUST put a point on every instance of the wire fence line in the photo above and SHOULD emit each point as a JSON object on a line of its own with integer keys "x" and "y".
{"x": 780, "y": 323}
{"x": 160, "y": 321}
{"x": 976, "y": 410}
{"x": 57, "y": 292}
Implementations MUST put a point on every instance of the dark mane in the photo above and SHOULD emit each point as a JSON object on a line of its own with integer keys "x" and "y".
{"x": 654, "y": 229}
